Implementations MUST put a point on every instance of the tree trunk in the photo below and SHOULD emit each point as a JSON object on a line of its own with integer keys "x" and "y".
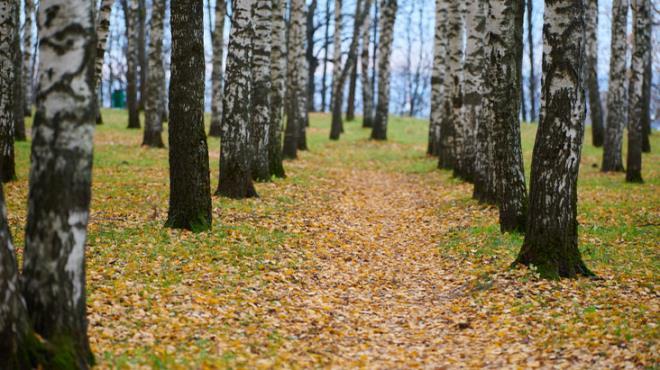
{"x": 388, "y": 18}
{"x": 131, "y": 18}
{"x": 438, "y": 76}
{"x": 217, "y": 76}
{"x": 303, "y": 106}
{"x": 472, "y": 89}
{"x": 236, "y": 146}
{"x": 365, "y": 79}
{"x": 485, "y": 181}
{"x": 277, "y": 71}
{"x": 326, "y": 47}
{"x": 591, "y": 46}
{"x": 532, "y": 72}
{"x": 551, "y": 242}
{"x": 19, "y": 95}
{"x": 641, "y": 55}
{"x": 350, "y": 108}
{"x": 504, "y": 35}
{"x": 53, "y": 278}
{"x": 312, "y": 60}
{"x": 337, "y": 97}
{"x": 28, "y": 8}
{"x": 616, "y": 97}
{"x": 153, "y": 115}
{"x": 296, "y": 110}
{"x": 452, "y": 102}
{"x": 142, "y": 51}
{"x": 646, "y": 95}
{"x": 102, "y": 32}
{"x": 261, "y": 90}
{"x": 10, "y": 77}
{"x": 190, "y": 187}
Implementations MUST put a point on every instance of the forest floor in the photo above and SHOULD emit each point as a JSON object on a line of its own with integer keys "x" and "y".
{"x": 366, "y": 256}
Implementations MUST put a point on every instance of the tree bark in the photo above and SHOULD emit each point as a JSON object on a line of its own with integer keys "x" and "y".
{"x": 641, "y": 55}
{"x": 296, "y": 110}
{"x": 616, "y": 97}
{"x": 591, "y": 45}
{"x": 312, "y": 60}
{"x": 438, "y": 76}
{"x": 505, "y": 58}
{"x": 646, "y": 94}
{"x": 473, "y": 82}
{"x": 352, "y": 82}
{"x": 53, "y": 278}
{"x": 190, "y": 188}
{"x": 19, "y": 94}
{"x": 532, "y": 72}
{"x": 102, "y": 32}
{"x": 388, "y": 18}
{"x": 28, "y": 11}
{"x": 131, "y": 18}
{"x": 326, "y": 47}
{"x": 278, "y": 68}
{"x": 217, "y": 76}
{"x": 365, "y": 79}
{"x": 453, "y": 100}
{"x": 261, "y": 90}
{"x": 142, "y": 51}
{"x": 337, "y": 97}
{"x": 235, "y": 148}
{"x": 153, "y": 115}
{"x": 551, "y": 242}
{"x": 10, "y": 77}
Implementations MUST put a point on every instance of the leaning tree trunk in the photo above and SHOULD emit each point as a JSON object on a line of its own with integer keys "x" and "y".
{"x": 551, "y": 241}
{"x": 235, "y": 149}
{"x": 452, "y": 88}
{"x": 153, "y": 115}
{"x": 277, "y": 72}
{"x": 261, "y": 89}
{"x": 532, "y": 73}
{"x": 53, "y": 278}
{"x": 295, "y": 91}
{"x": 337, "y": 97}
{"x": 504, "y": 36}
{"x": 641, "y": 55}
{"x": 28, "y": 11}
{"x": 131, "y": 18}
{"x": 616, "y": 96}
{"x": 472, "y": 89}
{"x": 350, "y": 108}
{"x": 190, "y": 187}
{"x": 591, "y": 68}
{"x": 365, "y": 79}
{"x": 102, "y": 32}
{"x": 337, "y": 122}
{"x": 438, "y": 76}
{"x": 217, "y": 76}
{"x": 388, "y": 17}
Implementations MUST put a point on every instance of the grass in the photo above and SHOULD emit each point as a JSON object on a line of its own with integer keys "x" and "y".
{"x": 150, "y": 287}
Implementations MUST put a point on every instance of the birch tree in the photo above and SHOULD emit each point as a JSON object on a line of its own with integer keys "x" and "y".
{"x": 551, "y": 241}
{"x": 102, "y": 33}
{"x": 438, "y": 76}
{"x": 641, "y": 55}
{"x": 261, "y": 89}
{"x": 153, "y": 115}
{"x": 131, "y": 19}
{"x": 296, "y": 90}
{"x": 591, "y": 69}
{"x": 337, "y": 97}
{"x": 504, "y": 36}
{"x": 53, "y": 277}
{"x": 28, "y": 14}
{"x": 277, "y": 72}
{"x": 530, "y": 53}
{"x": 235, "y": 148}
{"x": 217, "y": 75}
{"x": 474, "y": 64}
{"x": 452, "y": 88}
{"x": 190, "y": 187}
{"x": 365, "y": 79}
{"x": 616, "y": 96}
{"x": 10, "y": 77}
{"x": 387, "y": 20}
